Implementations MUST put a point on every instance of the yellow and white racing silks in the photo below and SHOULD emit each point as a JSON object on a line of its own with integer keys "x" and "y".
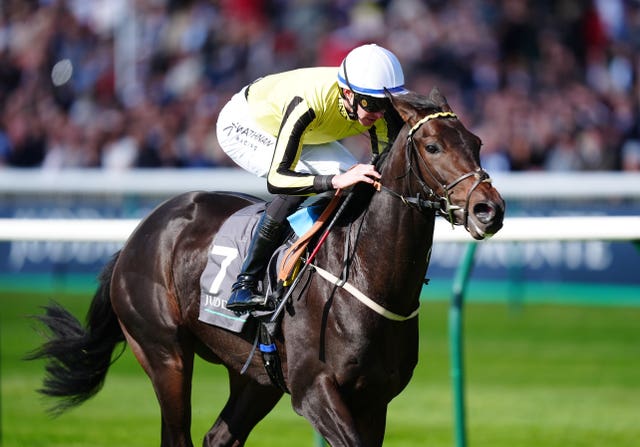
{"x": 303, "y": 108}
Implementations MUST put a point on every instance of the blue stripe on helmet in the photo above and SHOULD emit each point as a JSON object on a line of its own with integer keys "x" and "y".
{"x": 370, "y": 91}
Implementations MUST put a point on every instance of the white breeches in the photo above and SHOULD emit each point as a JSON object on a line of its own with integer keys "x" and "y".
{"x": 252, "y": 148}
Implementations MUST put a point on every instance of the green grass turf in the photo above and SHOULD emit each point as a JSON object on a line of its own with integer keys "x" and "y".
{"x": 537, "y": 375}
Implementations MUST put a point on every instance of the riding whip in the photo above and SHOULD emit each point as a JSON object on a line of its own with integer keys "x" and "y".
{"x": 341, "y": 209}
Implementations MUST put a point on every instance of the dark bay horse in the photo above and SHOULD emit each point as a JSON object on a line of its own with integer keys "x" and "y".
{"x": 343, "y": 359}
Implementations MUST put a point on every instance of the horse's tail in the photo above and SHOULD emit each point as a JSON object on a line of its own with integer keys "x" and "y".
{"x": 78, "y": 356}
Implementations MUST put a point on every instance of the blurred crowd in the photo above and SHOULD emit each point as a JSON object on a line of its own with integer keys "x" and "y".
{"x": 547, "y": 84}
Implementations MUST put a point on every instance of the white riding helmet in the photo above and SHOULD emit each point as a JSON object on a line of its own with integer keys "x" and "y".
{"x": 369, "y": 69}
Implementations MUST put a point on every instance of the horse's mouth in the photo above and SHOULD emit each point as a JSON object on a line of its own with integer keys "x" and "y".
{"x": 485, "y": 220}
{"x": 481, "y": 234}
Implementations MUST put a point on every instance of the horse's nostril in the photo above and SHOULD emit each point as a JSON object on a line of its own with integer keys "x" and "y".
{"x": 484, "y": 212}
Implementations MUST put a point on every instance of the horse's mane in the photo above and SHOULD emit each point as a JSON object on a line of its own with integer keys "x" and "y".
{"x": 421, "y": 103}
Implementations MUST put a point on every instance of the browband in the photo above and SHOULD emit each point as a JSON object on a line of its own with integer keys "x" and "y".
{"x": 417, "y": 125}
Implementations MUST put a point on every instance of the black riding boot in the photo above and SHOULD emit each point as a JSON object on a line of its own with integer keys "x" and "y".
{"x": 244, "y": 292}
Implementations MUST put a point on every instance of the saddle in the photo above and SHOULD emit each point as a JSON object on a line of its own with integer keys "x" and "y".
{"x": 224, "y": 261}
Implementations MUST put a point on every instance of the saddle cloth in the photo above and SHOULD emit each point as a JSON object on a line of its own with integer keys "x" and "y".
{"x": 224, "y": 261}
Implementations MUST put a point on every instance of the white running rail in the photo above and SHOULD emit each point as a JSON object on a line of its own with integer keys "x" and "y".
{"x": 524, "y": 229}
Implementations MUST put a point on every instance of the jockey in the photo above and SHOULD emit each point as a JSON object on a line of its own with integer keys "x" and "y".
{"x": 286, "y": 127}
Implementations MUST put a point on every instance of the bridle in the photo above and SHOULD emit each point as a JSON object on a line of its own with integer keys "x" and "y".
{"x": 433, "y": 201}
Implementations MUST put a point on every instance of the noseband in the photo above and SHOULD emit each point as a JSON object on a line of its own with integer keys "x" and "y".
{"x": 441, "y": 203}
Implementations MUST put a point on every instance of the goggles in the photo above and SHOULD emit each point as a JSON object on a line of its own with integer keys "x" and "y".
{"x": 371, "y": 104}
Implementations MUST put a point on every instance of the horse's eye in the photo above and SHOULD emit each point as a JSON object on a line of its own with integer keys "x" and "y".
{"x": 432, "y": 148}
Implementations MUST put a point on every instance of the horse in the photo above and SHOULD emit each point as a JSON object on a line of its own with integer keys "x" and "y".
{"x": 342, "y": 359}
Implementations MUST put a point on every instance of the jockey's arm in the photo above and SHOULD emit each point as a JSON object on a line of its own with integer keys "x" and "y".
{"x": 282, "y": 179}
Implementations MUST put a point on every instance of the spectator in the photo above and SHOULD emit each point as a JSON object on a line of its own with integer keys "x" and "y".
{"x": 546, "y": 84}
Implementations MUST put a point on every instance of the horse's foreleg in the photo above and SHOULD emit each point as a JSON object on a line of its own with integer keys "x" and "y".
{"x": 323, "y": 405}
{"x": 247, "y": 405}
{"x": 371, "y": 423}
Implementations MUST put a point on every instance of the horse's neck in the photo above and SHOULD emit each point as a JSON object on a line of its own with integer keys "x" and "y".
{"x": 394, "y": 229}
{"x": 398, "y": 230}
{"x": 387, "y": 249}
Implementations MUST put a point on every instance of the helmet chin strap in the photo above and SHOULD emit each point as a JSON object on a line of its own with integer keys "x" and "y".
{"x": 353, "y": 114}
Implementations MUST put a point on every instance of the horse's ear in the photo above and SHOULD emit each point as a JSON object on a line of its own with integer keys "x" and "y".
{"x": 404, "y": 108}
{"x": 438, "y": 99}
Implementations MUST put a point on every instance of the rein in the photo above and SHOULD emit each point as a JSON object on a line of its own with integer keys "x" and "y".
{"x": 440, "y": 203}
